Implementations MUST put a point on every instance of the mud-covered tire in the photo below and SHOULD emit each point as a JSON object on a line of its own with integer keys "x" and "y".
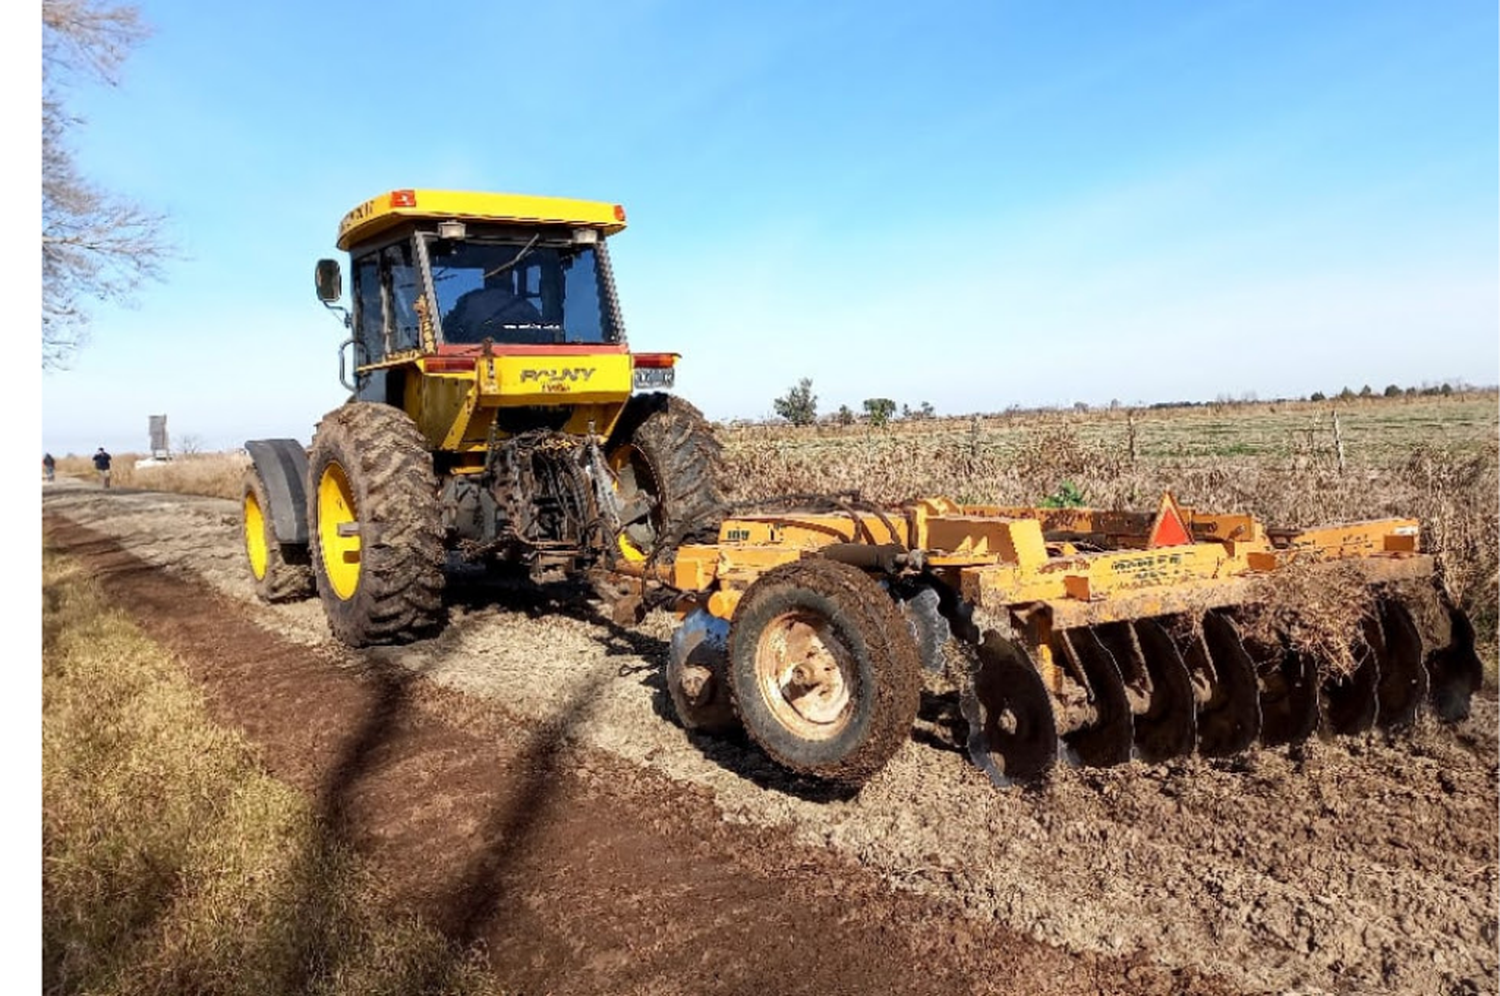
{"x": 701, "y": 708}
{"x": 369, "y": 466}
{"x": 663, "y": 446}
{"x": 824, "y": 616}
{"x": 698, "y": 681}
{"x": 281, "y": 572}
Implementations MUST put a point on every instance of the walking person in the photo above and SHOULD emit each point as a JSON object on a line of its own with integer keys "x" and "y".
{"x": 49, "y": 467}
{"x": 101, "y": 464}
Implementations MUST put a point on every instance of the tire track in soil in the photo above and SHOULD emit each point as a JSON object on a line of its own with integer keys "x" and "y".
{"x": 577, "y": 871}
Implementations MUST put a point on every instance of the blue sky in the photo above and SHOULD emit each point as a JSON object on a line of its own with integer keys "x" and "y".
{"x": 971, "y": 204}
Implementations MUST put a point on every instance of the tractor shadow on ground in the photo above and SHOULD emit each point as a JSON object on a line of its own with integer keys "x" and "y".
{"x": 479, "y": 590}
{"x": 472, "y": 899}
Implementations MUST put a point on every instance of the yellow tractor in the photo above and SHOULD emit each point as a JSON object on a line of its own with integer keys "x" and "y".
{"x": 496, "y": 414}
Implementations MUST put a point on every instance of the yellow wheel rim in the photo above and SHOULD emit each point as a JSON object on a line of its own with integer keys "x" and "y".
{"x": 620, "y": 460}
{"x": 341, "y": 553}
{"x": 255, "y": 537}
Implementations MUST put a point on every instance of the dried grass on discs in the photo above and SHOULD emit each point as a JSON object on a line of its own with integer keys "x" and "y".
{"x": 1319, "y": 610}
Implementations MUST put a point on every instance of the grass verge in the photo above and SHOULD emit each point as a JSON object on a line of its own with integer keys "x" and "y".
{"x": 170, "y": 862}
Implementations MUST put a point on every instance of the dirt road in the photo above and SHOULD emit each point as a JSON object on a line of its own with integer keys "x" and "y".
{"x": 527, "y": 759}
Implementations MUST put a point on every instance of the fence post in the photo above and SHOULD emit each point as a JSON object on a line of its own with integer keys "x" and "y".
{"x": 1338, "y": 441}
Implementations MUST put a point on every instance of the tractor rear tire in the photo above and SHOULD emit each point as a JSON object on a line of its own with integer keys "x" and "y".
{"x": 663, "y": 449}
{"x": 375, "y": 526}
{"x": 281, "y": 572}
{"x": 826, "y": 676}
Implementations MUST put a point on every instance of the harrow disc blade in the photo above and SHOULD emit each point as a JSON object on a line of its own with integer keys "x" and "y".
{"x": 1350, "y": 701}
{"x": 1288, "y": 697}
{"x": 1110, "y": 738}
{"x": 1230, "y": 719}
{"x": 1169, "y": 727}
{"x": 1403, "y": 678}
{"x": 1012, "y": 730}
{"x": 1454, "y": 671}
{"x": 928, "y": 627}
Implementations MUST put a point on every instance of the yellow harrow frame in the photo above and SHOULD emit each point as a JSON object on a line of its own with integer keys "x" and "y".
{"x": 1092, "y": 636}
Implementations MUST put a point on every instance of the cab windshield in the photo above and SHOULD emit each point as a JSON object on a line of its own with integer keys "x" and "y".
{"x": 520, "y": 292}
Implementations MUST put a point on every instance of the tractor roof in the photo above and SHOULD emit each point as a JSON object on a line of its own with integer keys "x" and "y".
{"x": 390, "y": 209}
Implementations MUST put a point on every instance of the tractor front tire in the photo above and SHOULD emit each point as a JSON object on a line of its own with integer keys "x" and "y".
{"x": 825, "y": 674}
{"x": 664, "y": 451}
{"x": 375, "y": 526}
{"x": 281, "y": 572}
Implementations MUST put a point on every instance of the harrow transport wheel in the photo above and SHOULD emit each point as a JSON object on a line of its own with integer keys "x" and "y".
{"x": 1230, "y": 720}
{"x": 668, "y": 465}
{"x": 825, "y": 675}
{"x": 282, "y": 573}
{"x": 1012, "y": 729}
{"x": 698, "y": 675}
{"x": 375, "y": 526}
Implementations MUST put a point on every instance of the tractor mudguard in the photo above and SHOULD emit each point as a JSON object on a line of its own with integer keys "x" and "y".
{"x": 282, "y": 465}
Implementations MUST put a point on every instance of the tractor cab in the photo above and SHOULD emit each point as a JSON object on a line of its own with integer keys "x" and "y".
{"x": 485, "y": 315}
{"x": 432, "y": 269}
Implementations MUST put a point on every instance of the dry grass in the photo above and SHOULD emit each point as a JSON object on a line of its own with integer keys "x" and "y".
{"x": 171, "y": 864}
{"x": 216, "y": 475}
{"x": 1435, "y": 459}
{"x": 1318, "y": 609}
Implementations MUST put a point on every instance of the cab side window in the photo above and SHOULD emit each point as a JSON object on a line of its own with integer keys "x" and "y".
{"x": 402, "y": 277}
{"x": 369, "y": 310}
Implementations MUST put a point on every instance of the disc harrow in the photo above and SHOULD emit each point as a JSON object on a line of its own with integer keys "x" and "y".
{"x": 1083, "y": 636}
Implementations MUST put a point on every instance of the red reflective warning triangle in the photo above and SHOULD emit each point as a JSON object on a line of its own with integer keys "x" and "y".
{"x": 1170, "y": 529}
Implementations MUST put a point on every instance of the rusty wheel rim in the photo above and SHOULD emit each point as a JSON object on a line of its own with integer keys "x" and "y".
{"x": 806, "y": 675}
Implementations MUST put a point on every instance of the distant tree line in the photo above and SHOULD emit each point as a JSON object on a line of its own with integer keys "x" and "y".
{"x": 1444, "y": 390}
{"x": 799, "y": 406}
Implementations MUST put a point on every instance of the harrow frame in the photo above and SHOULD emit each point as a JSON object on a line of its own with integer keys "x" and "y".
{"x": 1095, "y": 636}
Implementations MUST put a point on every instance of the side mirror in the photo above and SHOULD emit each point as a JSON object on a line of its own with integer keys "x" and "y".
{"x": 329, "y": 280}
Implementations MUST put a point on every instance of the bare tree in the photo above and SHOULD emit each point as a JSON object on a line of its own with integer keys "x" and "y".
{"x": 96, "y": 246}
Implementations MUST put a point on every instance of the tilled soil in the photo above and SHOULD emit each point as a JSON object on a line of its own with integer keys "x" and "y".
{"x": 1360, "y": 865}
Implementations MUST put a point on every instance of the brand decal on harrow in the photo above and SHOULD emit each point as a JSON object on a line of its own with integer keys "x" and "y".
{"x": 1151, "y": 565}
